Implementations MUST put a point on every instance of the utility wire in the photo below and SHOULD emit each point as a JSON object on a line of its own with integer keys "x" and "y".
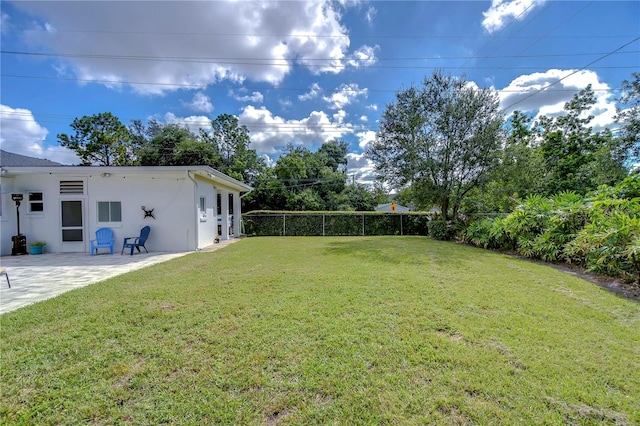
{"x": 570, "y": 74}
{"x": 285, "y": 61}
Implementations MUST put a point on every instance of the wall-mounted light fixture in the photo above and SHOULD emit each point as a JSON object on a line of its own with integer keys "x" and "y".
{"x": 105, "y": 174}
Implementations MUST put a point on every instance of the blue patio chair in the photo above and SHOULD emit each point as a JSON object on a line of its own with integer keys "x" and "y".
{"x": 137, "y": 242}
{"x": 104, "y": 239}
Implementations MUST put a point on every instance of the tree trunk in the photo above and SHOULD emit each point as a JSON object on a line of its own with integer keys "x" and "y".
{"x": 444, "y": 208}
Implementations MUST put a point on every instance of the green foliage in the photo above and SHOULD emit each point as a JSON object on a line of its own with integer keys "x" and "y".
{"x": 100, "y": 139}
{"x": 576, "y": 158}
{"x": 441, "y": 139}
{"x": 264, "y": 224}
{"x": 609, "y": 243}
{"x": 486, "y": 233}
{"x": 269, "y": 223}
{"x": 388, "y": 224}
{"x": 343, "y": 224}
{"x": 600, "y": 231}
{"x": 439, "y": 230}
{"x": 415, "y": 224}
{"x": 229, "y": 142}
{"x": 303, "y": 225}
{"x": 173, "y": 145}
{"x": 628, "y": 116}
{"x": 518, "y": 173}
{"x": 303, "y": 180}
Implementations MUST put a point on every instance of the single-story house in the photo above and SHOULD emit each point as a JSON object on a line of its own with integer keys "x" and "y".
{"x": 187, "y": 207}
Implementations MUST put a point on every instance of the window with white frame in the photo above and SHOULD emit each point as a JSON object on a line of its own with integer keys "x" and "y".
{"x": 203, "y": 207}
{"x": 109, "y": 211}
{"x": 36, "y": 202}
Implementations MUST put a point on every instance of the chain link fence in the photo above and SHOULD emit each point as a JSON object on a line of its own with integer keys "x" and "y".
{"x": 335, "y": 223}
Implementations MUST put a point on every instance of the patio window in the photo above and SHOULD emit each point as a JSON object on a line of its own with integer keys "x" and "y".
{"x": 109, "y": 211}
{"x": 36, "y": 202}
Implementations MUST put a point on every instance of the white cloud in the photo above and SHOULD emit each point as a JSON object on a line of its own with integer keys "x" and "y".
{"x": 364, "y": 118}
{"x": 373, "y": 107}
{"x": 193, "y": 122}
{"x": 339, "y": 116}
{"x": 365, "y": 138}
{"x": 501, "y": 11}
{"x": 255, "y": 97}
{"x": 371, "y": 14}
{"x": 314, "y": 92}
{"x": 285, "y": 103}
{"x": 364, "y": 56}
{"x": 270, "y": 132}
{"x": 5, "y": 22}
{"x": 345, "y": 95}
{"x": 173, "y": 45}
{"x": 522, "y": 94}
{"x": 200, "y": 103}
{"x": 359, "y": 166}
{"x": 21, "y": 134}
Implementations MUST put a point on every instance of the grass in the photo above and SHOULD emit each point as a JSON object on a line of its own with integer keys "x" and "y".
{"x": 353, "y": 330}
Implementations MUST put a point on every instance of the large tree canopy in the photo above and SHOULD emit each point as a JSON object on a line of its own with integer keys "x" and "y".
{"x": 440, "y": 139}
{"x": 99, "y": 139}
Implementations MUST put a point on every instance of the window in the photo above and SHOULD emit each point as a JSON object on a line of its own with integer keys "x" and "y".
{"x": 36, "y": 202}
{"x": 109, "y": 211}
{"x": 203, "y": 208}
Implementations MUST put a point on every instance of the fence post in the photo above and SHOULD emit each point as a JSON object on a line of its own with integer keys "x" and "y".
{"x": 401, "y": 217}
{"x": 363, "y": 224}
{"x": 323, "y": 230}
{"x": 284, "y": 224}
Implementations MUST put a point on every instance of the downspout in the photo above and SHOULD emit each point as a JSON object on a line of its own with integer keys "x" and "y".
{"x": 195, "y": 193}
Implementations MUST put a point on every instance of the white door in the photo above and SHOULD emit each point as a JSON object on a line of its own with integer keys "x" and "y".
{"x": 73, "y": 232}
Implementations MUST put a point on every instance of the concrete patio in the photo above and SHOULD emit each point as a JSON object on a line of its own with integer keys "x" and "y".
{"x": 41, "y": 277}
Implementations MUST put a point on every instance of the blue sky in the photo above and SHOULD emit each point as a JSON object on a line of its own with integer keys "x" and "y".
{"x": 296, "y": 72}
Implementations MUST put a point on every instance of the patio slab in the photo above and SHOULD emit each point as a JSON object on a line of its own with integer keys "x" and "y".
{"x": 41, "y": 277}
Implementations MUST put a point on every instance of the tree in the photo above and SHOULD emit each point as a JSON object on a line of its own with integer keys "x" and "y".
{"x": 441, "y": 139}
{"x": 629, "y": 118}
{"x": 100, "y": 139}
{"x": 517, "y": 174}
{"x": 172, "y": 145}
{"x": 230, "y": 144}
{"x": 576, "y": 158}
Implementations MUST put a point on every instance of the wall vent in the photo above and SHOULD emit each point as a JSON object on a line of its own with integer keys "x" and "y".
{"x": 71, "y": 187}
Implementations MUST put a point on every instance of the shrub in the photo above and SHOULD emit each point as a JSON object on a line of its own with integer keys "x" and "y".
{"x": 439, "y": 230}
{"x": 478, "y": 233}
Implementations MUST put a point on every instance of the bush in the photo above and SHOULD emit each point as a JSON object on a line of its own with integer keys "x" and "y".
{"x": 439, "y": 230}
{"x": 600, "y": 232}
{"x": 478, "y": 233}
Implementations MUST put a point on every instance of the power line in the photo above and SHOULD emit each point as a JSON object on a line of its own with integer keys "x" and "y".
{"x": 310, "y": 35}
{"x": 570, "y": 74}
{"x": 284, "y": 61}
{"x": 207, "y": 85}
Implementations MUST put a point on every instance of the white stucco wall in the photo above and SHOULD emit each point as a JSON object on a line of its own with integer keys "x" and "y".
{"x": 206, "y": 222}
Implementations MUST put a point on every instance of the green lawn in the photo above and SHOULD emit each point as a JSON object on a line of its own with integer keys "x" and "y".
{"x": 319, "y": 330}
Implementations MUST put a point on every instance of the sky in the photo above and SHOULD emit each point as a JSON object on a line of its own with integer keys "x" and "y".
{"x": 296, "y": 72}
